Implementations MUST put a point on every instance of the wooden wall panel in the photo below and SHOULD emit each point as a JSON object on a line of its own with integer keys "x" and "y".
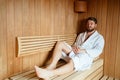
{"x": 108, "y": 40}
{"x": 58, "y": 17}
{"x": 3, "y": 37}
{"x": 103, "y": 22}
{"x": 107, "y": 12}
{"x": 44, "y": 11}
{"x": 26, "y": 30}
{"x": 117, "y": 63}
{"x": 29, "y": 18}
{"x": 38, "y": 27}
{"x": 69, "y": 16}
{"x": 52, "y": 17}
{"x": 113, "y": 23}
{"x": 10, "y": 36}
{"x": 18, "y": 32}
{"x": 37, "y": 17}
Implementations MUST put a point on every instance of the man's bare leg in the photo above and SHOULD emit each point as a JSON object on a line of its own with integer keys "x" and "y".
{"x": 46, "y": 74}
{"x": 60, "y": 46}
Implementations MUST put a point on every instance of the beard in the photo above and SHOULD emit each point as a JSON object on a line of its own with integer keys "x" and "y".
{"x": 90, "y": 30}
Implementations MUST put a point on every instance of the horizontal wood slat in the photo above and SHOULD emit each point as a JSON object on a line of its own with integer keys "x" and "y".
{"x": 31, "y": 75}
{"x": 93, "y": 75}
{"x": 21, "y": 75}
{"x": 98, "y": 76}
{"x": 33, "y": 44}
{"x": 106, "y": 77}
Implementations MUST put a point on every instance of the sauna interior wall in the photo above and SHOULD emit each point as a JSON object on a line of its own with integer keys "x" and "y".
{"x": 31, "y": 18}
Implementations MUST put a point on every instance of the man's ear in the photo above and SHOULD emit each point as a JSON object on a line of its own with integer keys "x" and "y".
{"x": 95, "y": 25}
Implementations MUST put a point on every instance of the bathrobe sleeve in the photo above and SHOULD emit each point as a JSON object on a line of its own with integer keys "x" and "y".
{"x": 97, "y": 48}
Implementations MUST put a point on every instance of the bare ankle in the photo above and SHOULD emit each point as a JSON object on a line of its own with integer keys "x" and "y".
{"x": 51, "y": 67}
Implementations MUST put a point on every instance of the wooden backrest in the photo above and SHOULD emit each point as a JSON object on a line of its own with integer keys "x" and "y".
{"x": 33, "y": 44}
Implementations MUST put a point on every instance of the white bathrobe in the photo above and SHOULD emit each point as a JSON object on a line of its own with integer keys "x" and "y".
{"x": 93, "y": 46}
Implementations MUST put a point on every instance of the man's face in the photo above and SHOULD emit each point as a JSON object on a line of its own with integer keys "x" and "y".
{"x": 90, "y": 26}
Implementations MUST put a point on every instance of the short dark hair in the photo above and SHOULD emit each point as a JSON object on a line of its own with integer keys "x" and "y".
{"x": 93, "y": 19}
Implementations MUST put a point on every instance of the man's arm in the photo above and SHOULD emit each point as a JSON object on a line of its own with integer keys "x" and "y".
{"x": 77, "y": 50}
{"x": 97, "y": 49}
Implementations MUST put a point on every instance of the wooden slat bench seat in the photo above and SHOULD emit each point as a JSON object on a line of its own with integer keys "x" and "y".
{"x": 105, "y": 77}
{"x": 94, "y": 73}
{"x": 35, "y": 44}
{"x": 84, "y": 75}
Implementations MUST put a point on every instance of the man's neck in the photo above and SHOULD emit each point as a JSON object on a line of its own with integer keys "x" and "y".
{"x": 90, "y": 33}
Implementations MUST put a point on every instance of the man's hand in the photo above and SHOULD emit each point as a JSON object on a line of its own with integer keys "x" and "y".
{"x": 75, "y": 49}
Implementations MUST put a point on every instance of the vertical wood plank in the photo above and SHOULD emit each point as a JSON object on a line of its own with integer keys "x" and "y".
{"x": 32, "y": 26}
{"x": 92, "y": 9}
{"x": 115, "y": 18}
{"x": 69, "y": 17}
{"x": 117, "y": 62}
{"x": 58, "y": 28}
{"x": 32, "y": 16}
{"x": 3, "y": 38}
{"x": 113, "y": 35}
{"x": 37, "y": 26}
{"x": 98, "y": 16}
{"x": 108, "y": 37}
{"x": 37, "y": 16}
{"x": 62, "y": 16}
{"x": 26, "y": 31}
{"x": 44, "y": 18}
{"x": 103, "y": 23}
{"x": 10, "y": 36}
{"x": 52, "y": 18}
{"x": 48, "y": 17}
{"x": 18, "y": 32}
{"x": 75, "y": 18}
{"x": 109, "y": 55}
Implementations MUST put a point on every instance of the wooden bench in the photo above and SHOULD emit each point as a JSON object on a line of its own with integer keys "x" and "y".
{"x": 105, "y": 77}
{"x": 35, "y": 44}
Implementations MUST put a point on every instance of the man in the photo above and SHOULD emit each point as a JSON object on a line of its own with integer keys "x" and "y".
{"x": 88, "y": 46}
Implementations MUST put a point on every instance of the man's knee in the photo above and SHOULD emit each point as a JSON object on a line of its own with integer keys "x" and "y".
{"x": 71, "y": 63}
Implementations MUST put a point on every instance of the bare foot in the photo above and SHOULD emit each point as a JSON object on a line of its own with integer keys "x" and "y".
{"x": 43, "y": 73}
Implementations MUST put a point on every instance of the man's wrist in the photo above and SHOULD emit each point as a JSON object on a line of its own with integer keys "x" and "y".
{"x": 83, "y": 50}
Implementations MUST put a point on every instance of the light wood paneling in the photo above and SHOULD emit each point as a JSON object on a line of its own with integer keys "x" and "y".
{"x": 3, "y": 37}
{"x": 113, "y": 24}
{"x": 10, "y": 36}
{"x": 117, "y": 63}
{"x": 55, "y": 17}
{"x": 31, "y": 18}
{"x": 18, "y": 32}
{"x": 37, "y": 24}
